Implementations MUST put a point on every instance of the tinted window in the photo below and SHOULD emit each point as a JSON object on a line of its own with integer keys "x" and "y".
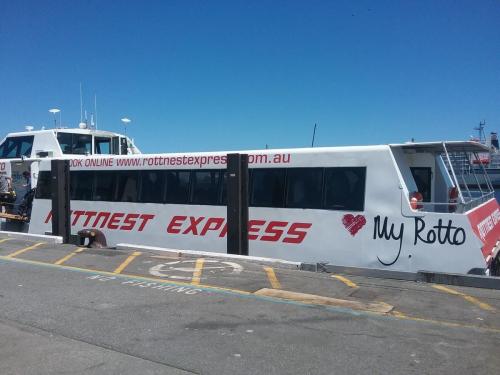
{"x": 80, "y": 144}
{"x": 43, "y": 188}
{"x": 16, "y": 147}
{"x": 267, "y": 187}
{"x": 65, "y": 141}
{"x": 205, "y": 187}
{"x": 123, "y": 146}
{"x": 304, "y": 186}
{"x": 102, "y": 145}
{"x": 152, "y": 186}
{"x": 177, "y": 187}
{"x": 81, "y": 185}
{"x": 345, "y": 188}
{"x": 104, "y": 186}
{"x": 127, "y": 186}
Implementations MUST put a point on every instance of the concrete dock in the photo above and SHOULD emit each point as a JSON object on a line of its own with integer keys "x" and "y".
{"x": 66, "y": 309}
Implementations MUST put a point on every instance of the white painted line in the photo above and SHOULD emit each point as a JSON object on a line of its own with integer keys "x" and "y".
{"x": 33, "y": 237}
{"x": 126, "y": 246}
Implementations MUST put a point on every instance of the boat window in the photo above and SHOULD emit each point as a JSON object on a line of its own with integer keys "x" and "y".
{"x": 115, "y": 145}
{"x": 43, "y": 187}
{"x": 127, "y": 186}
{"x": 102, "y": 145}
{"x": 65, "y": 141}
{"x": 152, "y": 186}
{"x": 79, "y": 144}
{"x": 16, "y": 147}
{"x": 104, "y": 186}
{"x": 81, "y": 185}
{"x": 303, "y": 188}
{"x": 345, "y": 188}
{"x": 205, "y": 187}
{"x": 177, "y": 187}
{"x": 267, "y": 187}
{"x": 123, "y": 146}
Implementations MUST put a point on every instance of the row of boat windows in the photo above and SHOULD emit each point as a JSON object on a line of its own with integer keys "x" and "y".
{"x": 81, "y": 144}
{"x": 338, "y": 188}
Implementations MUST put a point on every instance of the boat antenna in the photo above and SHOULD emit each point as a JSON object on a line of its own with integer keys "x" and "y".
{"x": 126, "y": 121}
{"x": 480, "y": 130}
{"x": 314, "y": 135}
{"x": 81, "y": 104}
{"x": 95, "y": 110}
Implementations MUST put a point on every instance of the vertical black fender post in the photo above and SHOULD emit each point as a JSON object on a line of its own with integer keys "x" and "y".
{"x": 237, "y": 204}
{"x": 60, "y": 199}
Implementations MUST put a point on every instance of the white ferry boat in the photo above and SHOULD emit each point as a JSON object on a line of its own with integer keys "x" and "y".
{"x": 397, "y": 207}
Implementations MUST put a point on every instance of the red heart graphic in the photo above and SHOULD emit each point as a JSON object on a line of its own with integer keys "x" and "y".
{"x": 353, "y": 223}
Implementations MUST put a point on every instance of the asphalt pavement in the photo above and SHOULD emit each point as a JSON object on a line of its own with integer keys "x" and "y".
{"x": 69, "y": 310}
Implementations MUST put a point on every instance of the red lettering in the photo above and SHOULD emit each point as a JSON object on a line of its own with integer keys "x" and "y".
{"x": 145, "y": 218}
{"x": 105, "y": 216}
{"x": 90, "y": 215}
{"x": 192, "y": 227}
{"x": 77, "y": 214}
{"x": 175, "y": 224}
{"x": 129, "y": 222}
{"x": 272, "y": 229}
{"x": 213, "y": 223}
{"x": 254, "y": 227}
{"x": 115, "y": 219}
{"x": 299, "y": 235}
{"x": 223, "y": 232}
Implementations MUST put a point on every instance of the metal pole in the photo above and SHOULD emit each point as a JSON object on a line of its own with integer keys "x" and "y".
{"x": 314, "y": 135}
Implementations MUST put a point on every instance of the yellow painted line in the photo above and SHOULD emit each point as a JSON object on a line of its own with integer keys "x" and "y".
{"x": 402, "y": 316}
{"x": 271, "y": 276}
{"x": 466, "y": 297}
{"x": 376, "y": 307}
{"x": 127, "y": 261}
{"x": 4, "y": 239}
{"x": 69, "y": 256}
{"x": 346, "y": 281}
{"x": 18, "y": 252}
{"x": 198, "y": 269}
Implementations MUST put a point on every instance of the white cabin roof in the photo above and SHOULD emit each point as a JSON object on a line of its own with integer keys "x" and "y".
{"x": 437, "y": 147}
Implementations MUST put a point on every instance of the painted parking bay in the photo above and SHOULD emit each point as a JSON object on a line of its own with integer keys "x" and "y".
{"x": 465, "y": 306}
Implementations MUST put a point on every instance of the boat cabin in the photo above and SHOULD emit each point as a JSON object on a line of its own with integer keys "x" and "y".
{"x": 59, "y": 142}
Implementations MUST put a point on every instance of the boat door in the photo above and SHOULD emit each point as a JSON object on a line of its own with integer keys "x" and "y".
{"x": 22, "y": 184}
{"x": 423, "y": 179}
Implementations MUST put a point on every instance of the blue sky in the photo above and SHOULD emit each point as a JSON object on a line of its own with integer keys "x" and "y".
{"x": 220, "y": 75}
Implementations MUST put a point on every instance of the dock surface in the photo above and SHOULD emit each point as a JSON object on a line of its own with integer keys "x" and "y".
{"x": 66, "y": 309}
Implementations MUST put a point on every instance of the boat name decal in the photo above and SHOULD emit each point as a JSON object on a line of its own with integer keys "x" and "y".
{"x": 261, "y": 230}
{"x": 273, "y": 231}
{"x": 441, "y": 233}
